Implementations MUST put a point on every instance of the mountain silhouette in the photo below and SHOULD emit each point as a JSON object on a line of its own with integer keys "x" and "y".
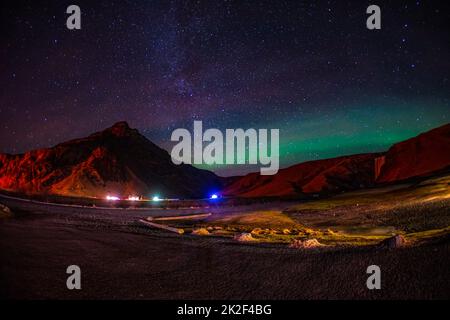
{"x": 121, "y": 161}
{"x": 117, "y": 160}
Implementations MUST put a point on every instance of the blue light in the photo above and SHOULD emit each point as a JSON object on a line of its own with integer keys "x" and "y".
{"x": 214, "y": 196}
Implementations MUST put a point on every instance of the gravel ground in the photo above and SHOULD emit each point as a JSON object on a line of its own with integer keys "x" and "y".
{"x": 122, "y": 260}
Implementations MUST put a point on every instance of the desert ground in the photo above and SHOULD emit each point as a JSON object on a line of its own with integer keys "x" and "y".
{"x": 236, "y": 252}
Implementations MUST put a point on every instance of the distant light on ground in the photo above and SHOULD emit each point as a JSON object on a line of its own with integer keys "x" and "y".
{"x": 112, "y": 198}
{"x": 133, "y": 198}
{"x": 156, "y": 198}
{"x": 214, "y": 196}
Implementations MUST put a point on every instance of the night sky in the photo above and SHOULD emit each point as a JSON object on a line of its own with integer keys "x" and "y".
{"x": 309, "y": 68}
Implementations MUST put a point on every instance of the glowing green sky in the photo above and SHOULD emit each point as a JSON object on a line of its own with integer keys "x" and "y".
{"x": 359, "y": 128}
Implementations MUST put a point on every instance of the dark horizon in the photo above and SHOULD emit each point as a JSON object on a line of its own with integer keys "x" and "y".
{"x": 247, "y": 168}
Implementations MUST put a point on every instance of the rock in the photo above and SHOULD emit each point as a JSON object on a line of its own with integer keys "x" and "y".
{"x": 305, "y": 244}
{"x": 5, "y": 212}
{"x": 257, "y": 231}
{"x": 244, "y": 237}
{"x": 330, "y": 232}
{"x": 221, "y": 232}
{"x": 308, "y": 231}
{"x": 201, "y": 232}
{"x": 393, "y": 242}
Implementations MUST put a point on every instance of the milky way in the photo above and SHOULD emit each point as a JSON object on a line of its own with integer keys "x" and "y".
{"x": 311, "y": 69}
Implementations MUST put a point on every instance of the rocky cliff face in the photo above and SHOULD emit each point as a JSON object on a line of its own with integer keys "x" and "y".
{"x": 419, "y": 156}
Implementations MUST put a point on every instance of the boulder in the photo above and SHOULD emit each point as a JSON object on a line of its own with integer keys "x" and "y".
{"x": 309, "y": 231}
{"x": 5, "y": 212}
{"x": 201, "y": 232}
{"x": 244, "y": 237}
{"x": 257, "y": 231}
{"x": 305, "y": 244}
{"x": 393, "y": 242}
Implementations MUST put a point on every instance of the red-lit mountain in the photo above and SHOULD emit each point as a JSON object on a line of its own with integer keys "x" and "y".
{"x": 420, "y": 156}
{"x": 329, "y": 175}
{"x": 117, "y": 160}
{"x": 120, "y": 161}
{"x": 427, "y": 153}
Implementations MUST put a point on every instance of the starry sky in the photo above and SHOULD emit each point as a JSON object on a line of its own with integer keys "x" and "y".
{"x": 310, "y": 68}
